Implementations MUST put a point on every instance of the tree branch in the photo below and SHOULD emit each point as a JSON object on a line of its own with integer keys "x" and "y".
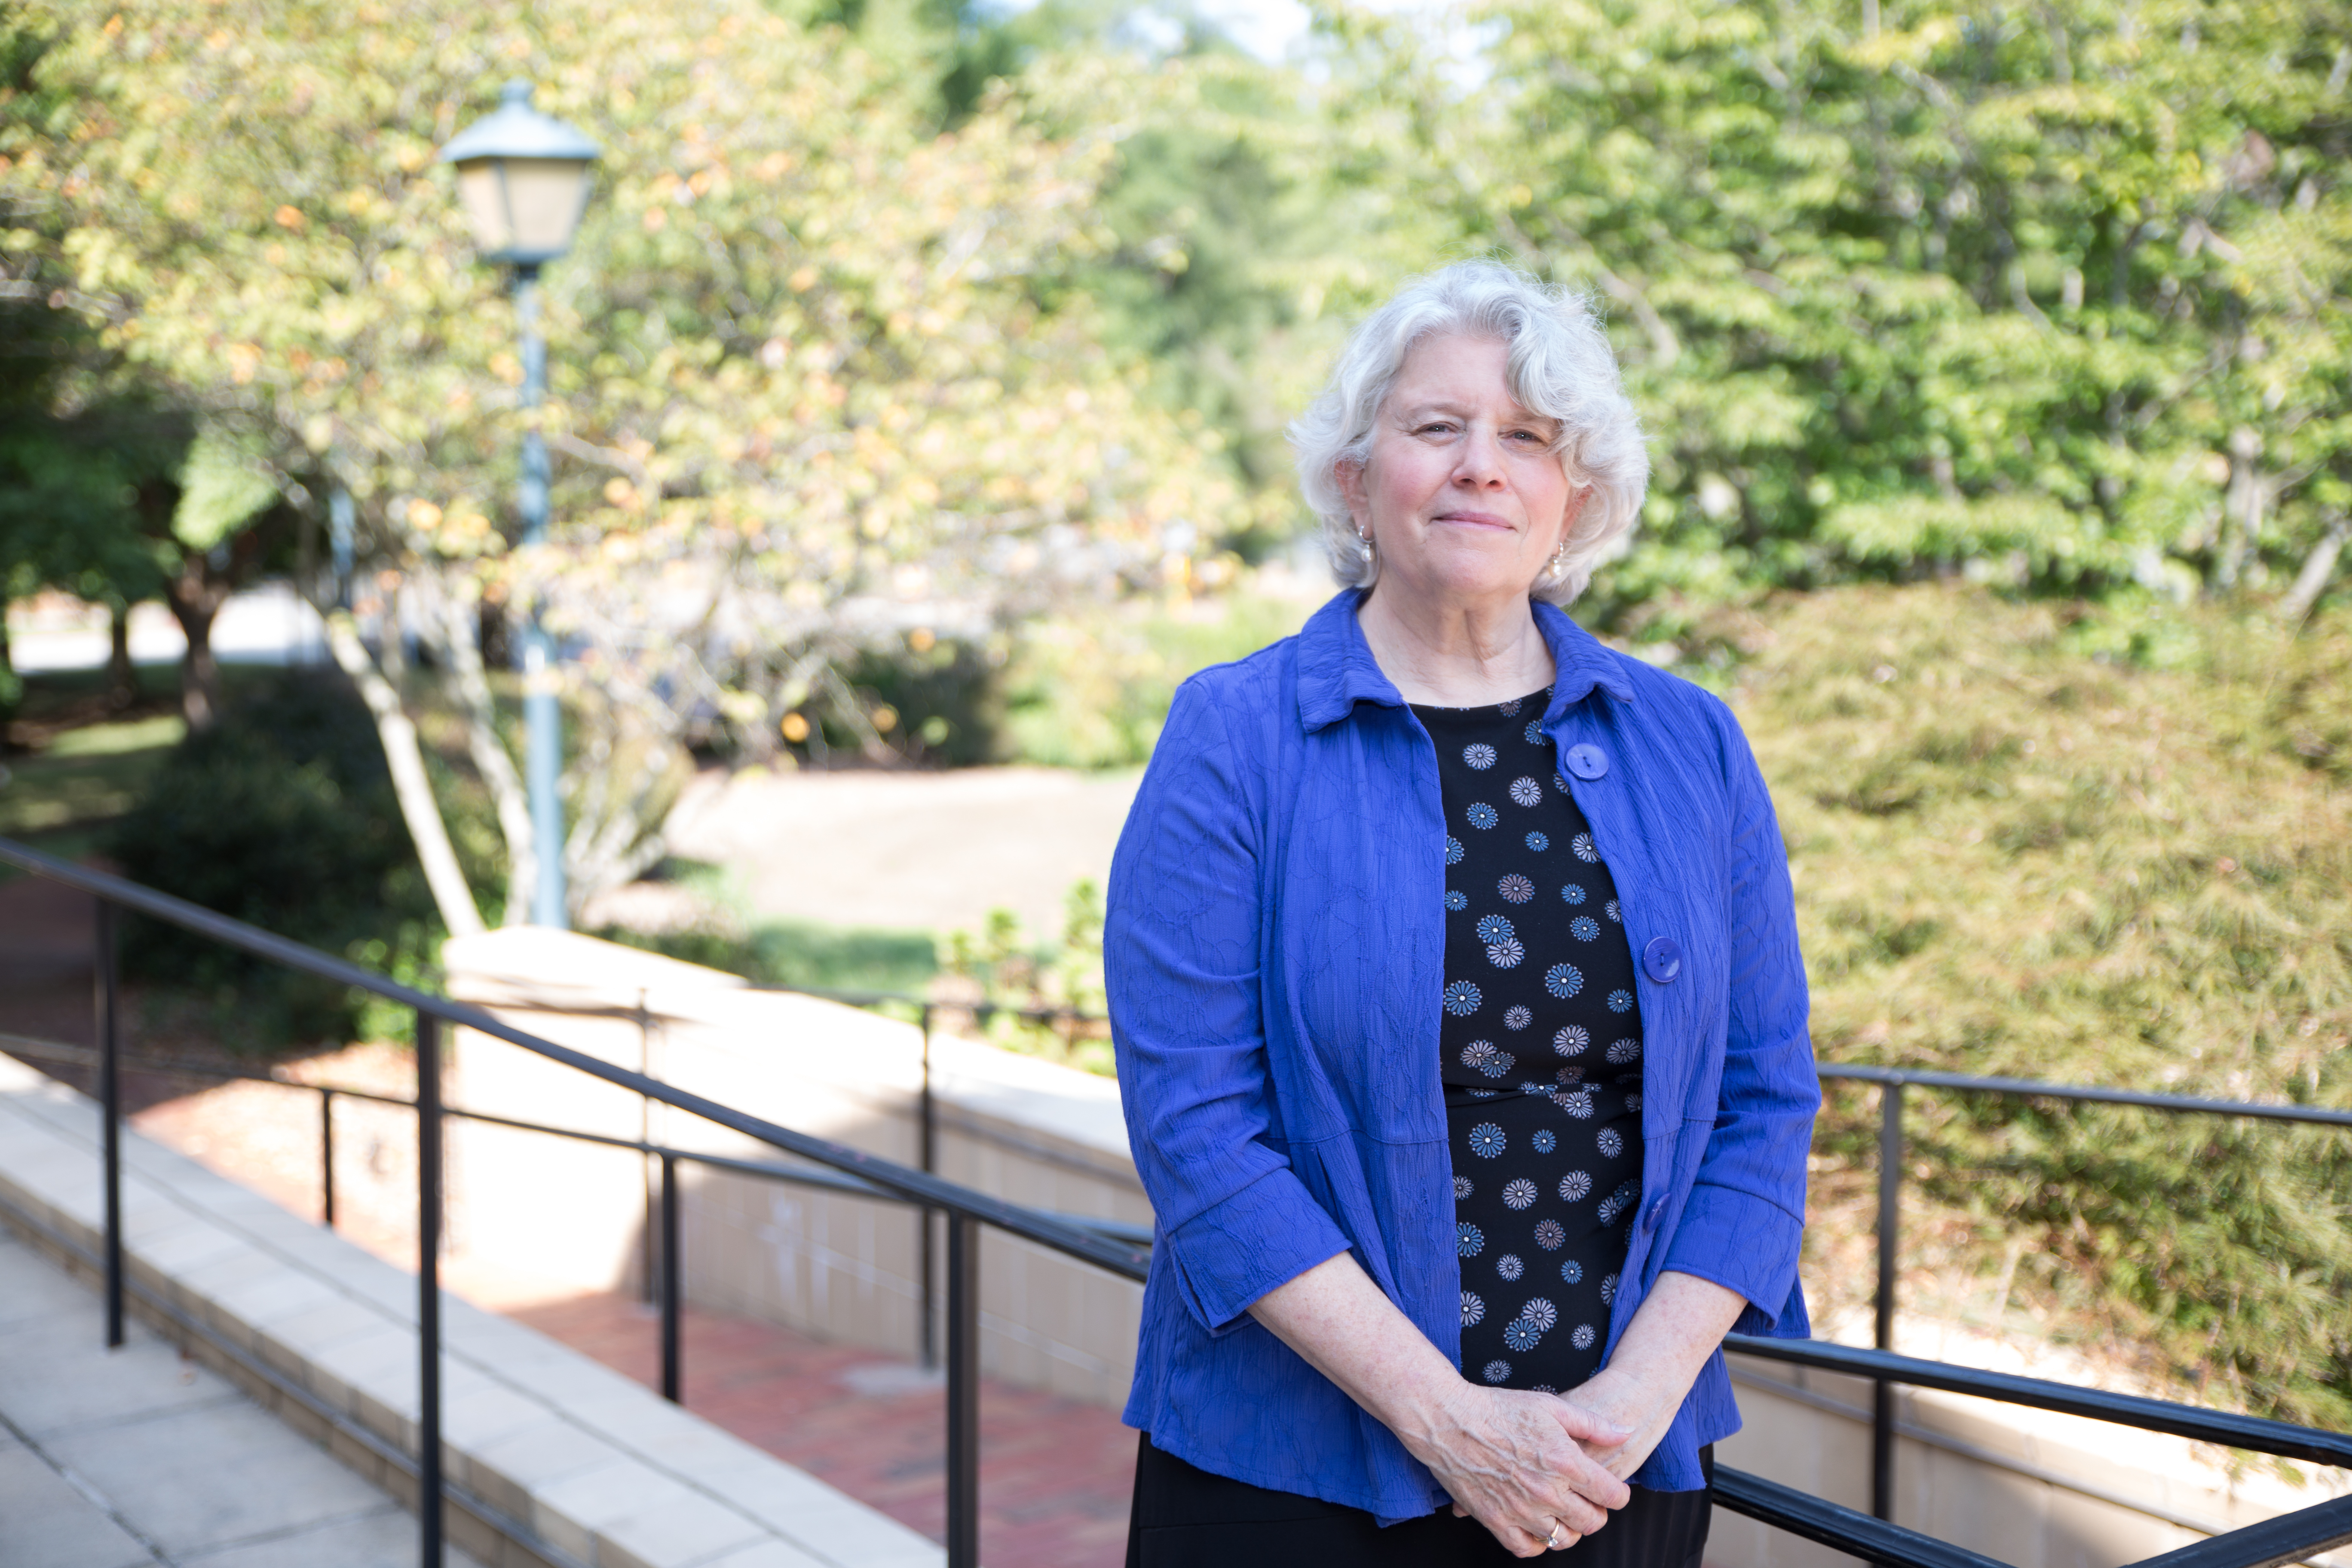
{"x": 451, "y": 896}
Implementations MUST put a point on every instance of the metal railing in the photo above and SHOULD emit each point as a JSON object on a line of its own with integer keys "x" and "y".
{"x": 842, "y": 1169}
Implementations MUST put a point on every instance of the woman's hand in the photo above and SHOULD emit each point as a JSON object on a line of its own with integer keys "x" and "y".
{"x": 1651, "y": 1371}
{"x": 1515, "y": 1460}
{"x": 1518, "y": 1463}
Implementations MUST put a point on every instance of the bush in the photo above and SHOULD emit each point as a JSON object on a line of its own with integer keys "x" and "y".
{"x": 281, "y": 815}
{"x": 2117, "y": 848}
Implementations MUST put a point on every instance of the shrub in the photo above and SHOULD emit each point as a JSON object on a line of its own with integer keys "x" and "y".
{"x": 2115, "y": 850}
{"x": 281, "y": 815}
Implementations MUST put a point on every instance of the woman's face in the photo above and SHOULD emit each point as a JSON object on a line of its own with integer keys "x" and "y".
{"x": 1461, "y": 494}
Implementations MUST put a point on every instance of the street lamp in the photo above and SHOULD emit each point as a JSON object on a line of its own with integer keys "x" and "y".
{"x": 523, "y": 179}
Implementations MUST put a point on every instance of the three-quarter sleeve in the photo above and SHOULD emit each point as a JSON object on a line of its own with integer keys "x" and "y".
{"x": 1182, "y": 954}
{"x": 1743, "y": 1222}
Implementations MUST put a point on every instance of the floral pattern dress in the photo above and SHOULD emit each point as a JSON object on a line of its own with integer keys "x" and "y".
{"x": 1542, "y": 1037}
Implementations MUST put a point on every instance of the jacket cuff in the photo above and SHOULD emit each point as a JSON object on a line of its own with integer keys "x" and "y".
{"x": 1746, "y": 1244}
{"x": 1265, "y": 1236}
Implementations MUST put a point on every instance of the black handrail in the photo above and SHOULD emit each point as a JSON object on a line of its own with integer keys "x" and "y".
{"x": 862, "y": 1175}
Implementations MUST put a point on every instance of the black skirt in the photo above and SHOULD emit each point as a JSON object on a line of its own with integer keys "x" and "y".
{"x": 1184, "y": 1517}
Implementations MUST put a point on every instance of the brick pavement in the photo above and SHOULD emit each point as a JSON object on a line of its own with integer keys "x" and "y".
{"x": 1054, "y": 1474}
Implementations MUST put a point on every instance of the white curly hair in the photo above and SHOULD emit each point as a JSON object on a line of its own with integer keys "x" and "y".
{"x": 1560, "y": 367}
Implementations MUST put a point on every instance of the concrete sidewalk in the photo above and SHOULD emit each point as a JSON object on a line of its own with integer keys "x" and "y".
{"x": 136, "y": 1457}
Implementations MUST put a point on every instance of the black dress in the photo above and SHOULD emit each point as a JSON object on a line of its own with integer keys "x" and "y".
{"x": 1541, "y": 1048}
{"x": 1541, "y": 1062}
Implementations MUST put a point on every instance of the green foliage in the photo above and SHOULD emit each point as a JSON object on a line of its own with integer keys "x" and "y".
{"x": 280, "y": 815}
{"x": 2016, "y": 853}
{"x": 2055, "y": 297}
{"x": 1092, "y": 691}
{"x": 1051, "y": 996}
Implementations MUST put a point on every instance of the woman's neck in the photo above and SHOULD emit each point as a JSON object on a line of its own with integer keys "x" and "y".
{"x": 1456, "y": 656}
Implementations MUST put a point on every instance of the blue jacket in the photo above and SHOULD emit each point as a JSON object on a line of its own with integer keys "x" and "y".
{"x": 1274, "y": 956}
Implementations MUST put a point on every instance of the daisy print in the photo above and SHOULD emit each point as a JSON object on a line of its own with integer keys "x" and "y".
{"x": 1495, "y": 1370}
{"x": 1521, "y": 1334}
{"x": 1486, "y": 1140}
{"x": 1509, "y": 1266}
{"x": 1533, "y": 734}
{"x": 1563, "y": 980}
{"x": 1576, "y": 1187}
{"x": 1550, "y": 1235}
{"x": 1480, "y": 756}
{"x": 1462, "y": 1188}
{"x": 1526, "y": 791}
{"x": 1462, "y": 998}
{"x": 1506, "y": 953}
{"x": 1454, "y": 851}
{"x": 1518, "y": 1193}
{"x": 1540, "y": 1312}
{"x": 1573, "y": 1040}
{"x": 1545, "y": 1139}
{"x": 1584, "y": 928}
{"x": 1625, "y": 1050}
{"x": 1619, "y": 1001}
{"x": 1538, "y": 842}
{"x": 1468, "y": 1239}
{"x": 1572, "y": 893}
{"x": 1457, "y": 900}
{"x": 1517, "y": 1018}
{"x": 1480, "y": 814}
{"x": 1581, "y": 846}
{"x": 1474, "y": 1311}
{"x": 1572, "y": 1272}
{"x": 1583, "y": 1337}
{"x": 1515, "y": 888}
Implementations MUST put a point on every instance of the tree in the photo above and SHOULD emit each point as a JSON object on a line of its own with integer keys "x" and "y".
{"x": 2055, "y": 297}
{"x": 811, "y": 388}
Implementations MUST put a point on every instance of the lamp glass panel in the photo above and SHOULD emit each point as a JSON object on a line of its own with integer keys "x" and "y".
{"x": 545, "y": 197}
{"x": 479, "y": 191}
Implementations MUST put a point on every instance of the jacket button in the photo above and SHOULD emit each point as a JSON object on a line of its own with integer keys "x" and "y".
{"x": 1662, "y": 961}
{"x": 1588, "y": 761}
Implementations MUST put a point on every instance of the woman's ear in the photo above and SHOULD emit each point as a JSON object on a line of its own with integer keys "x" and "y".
{"x": 1350, "y": 473}
{"x": 1576, "y": 504}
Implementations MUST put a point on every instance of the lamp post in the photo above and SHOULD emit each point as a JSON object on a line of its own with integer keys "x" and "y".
{"x": 523, "y": 179}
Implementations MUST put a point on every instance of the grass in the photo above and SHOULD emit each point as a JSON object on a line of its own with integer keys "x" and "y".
{"x": 84, "y": 776}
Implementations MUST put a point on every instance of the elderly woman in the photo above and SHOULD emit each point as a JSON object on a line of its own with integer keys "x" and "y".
{"x": 1460, "y": 1018}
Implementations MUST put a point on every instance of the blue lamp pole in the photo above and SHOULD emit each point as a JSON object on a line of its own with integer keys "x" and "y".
{"x": 523, "y": 178}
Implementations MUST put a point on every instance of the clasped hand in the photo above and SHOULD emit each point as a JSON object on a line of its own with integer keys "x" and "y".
{"x": 1523, "y": 1464}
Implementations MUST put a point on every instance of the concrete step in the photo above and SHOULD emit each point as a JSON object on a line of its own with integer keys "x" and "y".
{"x": 137, "y": 1457}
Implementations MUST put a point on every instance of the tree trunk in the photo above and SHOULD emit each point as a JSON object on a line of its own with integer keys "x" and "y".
{"x": 2318, "y": 568}
{"x": 410, "y": 785}
{"x": 195, "y": 603}
{"x": 121, "y": 676}
{"x": 11, "y": 688}
{"x": 460, "y": 626}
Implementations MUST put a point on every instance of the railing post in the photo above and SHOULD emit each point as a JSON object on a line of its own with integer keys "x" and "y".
{"x": 428, "y": 1289}
{"x": 327, "y": 1157}
{"x": 108, "y": 1000}
{"x": 673, "y": 1268}
{"x": 1890, "y": 1235}
{"x": 963, "y": 1390}
{"x": 927, "y": 1132}
{"x": 649, "y": 1285}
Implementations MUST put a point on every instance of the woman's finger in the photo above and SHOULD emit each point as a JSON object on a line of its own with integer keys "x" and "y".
{"x": 1589, "y": 1426}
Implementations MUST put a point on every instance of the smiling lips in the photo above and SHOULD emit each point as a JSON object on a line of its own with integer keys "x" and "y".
{"x": 1483, "y": 519}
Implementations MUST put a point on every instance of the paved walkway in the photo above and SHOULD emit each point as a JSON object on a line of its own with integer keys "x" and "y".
{"x": 1054, "y": 1475}
{"x": 136, "y": 1457}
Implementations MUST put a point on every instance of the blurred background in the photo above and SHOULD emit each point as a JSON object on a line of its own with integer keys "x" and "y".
{"x": 915, "y": 393}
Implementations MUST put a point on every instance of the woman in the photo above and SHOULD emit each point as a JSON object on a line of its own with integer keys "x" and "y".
{"x": 1460, "y": 1018}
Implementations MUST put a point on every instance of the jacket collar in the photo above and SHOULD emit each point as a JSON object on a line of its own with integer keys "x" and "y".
{"x": 1337, "y": 671}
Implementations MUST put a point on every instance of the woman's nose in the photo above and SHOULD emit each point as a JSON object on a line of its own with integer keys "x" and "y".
{"x": 1482, "y": 458}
